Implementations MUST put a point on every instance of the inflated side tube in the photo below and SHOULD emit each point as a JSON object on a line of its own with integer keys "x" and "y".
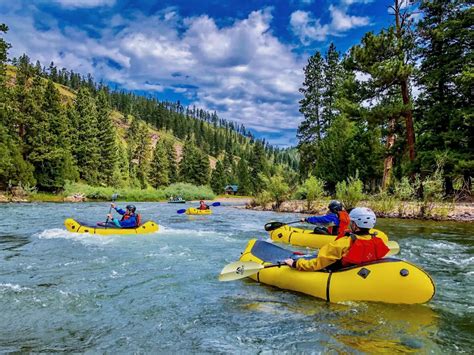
{"x": 388, "y": 280}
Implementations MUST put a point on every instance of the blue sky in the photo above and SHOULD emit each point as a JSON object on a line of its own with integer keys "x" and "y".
{"x": 243, "y": 59}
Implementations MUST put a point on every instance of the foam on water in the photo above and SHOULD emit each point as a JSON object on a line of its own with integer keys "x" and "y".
{"x": 12, "y": 287}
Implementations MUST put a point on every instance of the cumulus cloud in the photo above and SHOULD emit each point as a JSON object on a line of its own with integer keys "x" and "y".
{"x": 309, "y": 29}
{"x": 74, "y": 4}
{"x": 242, "y": 70}
{"x": 350, "y": 2}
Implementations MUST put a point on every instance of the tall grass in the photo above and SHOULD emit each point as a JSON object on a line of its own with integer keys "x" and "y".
{"x": 99, "y": 193}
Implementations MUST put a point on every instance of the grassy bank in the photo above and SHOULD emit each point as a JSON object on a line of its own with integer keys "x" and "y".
{"x": 98, "y": 193}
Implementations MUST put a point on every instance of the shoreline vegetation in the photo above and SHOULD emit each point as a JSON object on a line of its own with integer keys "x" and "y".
{"x": 383, "y": 206}
{"x": 439, "y": 211}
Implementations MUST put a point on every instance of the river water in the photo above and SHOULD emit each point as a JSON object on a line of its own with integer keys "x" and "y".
{"x": 75, "y": 292}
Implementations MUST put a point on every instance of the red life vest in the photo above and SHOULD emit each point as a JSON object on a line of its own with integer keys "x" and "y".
{"x": 138, "y": 218}
{"x": 363, "y": 251}
{"x": 344, "y": 221}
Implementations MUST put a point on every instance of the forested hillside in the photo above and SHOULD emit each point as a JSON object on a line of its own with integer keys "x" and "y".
{"x": 397, "y": 106}
{"x": 58, "y": 126}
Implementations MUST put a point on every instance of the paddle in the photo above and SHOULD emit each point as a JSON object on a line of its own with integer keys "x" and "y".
{"x": 215, "y": 204}
{"x": 241, "y": 269}
{"x": 271, "y": 226}
{"x": 114, "y": 197}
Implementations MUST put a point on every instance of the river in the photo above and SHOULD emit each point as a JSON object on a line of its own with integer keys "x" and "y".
{"x": 76, "y": 292}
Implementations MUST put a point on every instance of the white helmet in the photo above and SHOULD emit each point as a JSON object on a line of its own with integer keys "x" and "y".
{"x": 363, "y": 217}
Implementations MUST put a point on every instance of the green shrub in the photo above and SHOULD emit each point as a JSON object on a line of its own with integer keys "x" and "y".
{"x": 314, "y": 190}
{"x": 404, "y": 189}
{"x": 383, "y": 203}
{"x": 262, "y": 198}
{"x": 276, "y": 187}
{"x": 350, "y": 192}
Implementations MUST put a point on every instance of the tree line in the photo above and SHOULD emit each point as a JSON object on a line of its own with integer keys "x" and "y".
{"x": 58, "y": 126}
{"x": 361, "y": 114}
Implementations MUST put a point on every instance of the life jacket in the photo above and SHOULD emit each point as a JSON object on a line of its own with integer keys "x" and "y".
{"x": 363, "y": 251}
{"x": 344, "y": 221}
{"x": 138, "y": 218}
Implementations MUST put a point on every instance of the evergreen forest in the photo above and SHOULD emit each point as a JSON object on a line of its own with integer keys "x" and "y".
{"x": 57, "y": 126}
{"x": 397, "y": 106}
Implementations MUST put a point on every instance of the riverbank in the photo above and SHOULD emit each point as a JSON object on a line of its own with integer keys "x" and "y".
{"x": 80, "y": 197}
{"x": 439, "y": 211}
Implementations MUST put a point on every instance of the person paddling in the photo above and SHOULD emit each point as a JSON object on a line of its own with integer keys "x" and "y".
{"x": 337, "y": 220}
{"x": 357, "y": 248}
{"x": 202, "y": 206}
{"x": 130, "y": 219}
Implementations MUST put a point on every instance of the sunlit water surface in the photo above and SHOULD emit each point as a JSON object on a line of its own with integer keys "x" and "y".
{"x": 72, "y": 292}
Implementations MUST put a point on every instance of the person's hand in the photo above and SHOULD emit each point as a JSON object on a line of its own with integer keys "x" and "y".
{"x": 109, "y": 216}
{"x": 112, "y": 205}
{"x": 303, "y": 219}
{"x": 289, "y": 262}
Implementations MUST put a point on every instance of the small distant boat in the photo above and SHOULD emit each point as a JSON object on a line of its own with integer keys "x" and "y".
{"x": 177, "y": 200}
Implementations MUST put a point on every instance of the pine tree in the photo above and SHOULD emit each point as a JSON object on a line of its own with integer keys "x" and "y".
{"x": 387, "y": 60}
{"x": 311, "y": 128}
{"x": 86, "y": 148}
{"x": 107, "y": 141}
{"x": 172, "y": 165}
{"x": 188, "y": 164}
{"x": 159, "y": 170}
{"x": 332, "y": 81}
{"x": 13, "y": 168}
{"x": 243, "y": 177}
{"x": 49, "y": 149}
{"x": 258, "y": 166}
{"x": 218, "y": 178}
{"x": 445, "y": 104}
{"x": 203, "y": 169}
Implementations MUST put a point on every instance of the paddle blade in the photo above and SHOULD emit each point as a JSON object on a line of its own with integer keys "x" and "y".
{"x": 181, "y": 211}
{"x": 393, "y": 246}
{"x": 238, "y": 270}
{"x": 114, "y": 196}
{"x": 215, "y": 204}
{"x": 271, "y": 226}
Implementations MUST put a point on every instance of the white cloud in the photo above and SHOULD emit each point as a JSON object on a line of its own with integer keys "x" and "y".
{"x": 350, "y": 2}
{"x": 309, "y": 29}
{"x": 85, "y": 3}
{"x": 242, "y": 70}
{"x": 342, "y": 22}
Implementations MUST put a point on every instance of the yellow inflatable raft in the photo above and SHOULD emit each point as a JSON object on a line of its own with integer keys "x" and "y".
{"x": 306, "y": 238}
{"x": 193, "y": 210}
{"x": 79, "y": 227}
{"x": 388, "y": 280}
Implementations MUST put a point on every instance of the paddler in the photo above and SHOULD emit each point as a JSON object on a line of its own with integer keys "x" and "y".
{"x": 337, "y": 220}
{"x": 357, "y": 248}
{"x": 130, "y": 219}
{"x": 202, "y": 205}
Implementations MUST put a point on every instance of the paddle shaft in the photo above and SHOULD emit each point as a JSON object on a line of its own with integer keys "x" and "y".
{"x": 114, "y": 197}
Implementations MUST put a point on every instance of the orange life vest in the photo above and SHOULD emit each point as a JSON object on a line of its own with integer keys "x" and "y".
{"x": 363, "y": 251}
{"x": 344, "y": 221}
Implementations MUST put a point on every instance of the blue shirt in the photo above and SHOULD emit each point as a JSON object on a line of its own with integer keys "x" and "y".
{"x": 330, "y": 218}
{"x": 128, "y": 223}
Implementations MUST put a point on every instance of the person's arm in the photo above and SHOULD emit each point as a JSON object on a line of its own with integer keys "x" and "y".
{"x": 328, "y": 254}
{"x": 120, "y": 211}
{"x": 330, "y": 218}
